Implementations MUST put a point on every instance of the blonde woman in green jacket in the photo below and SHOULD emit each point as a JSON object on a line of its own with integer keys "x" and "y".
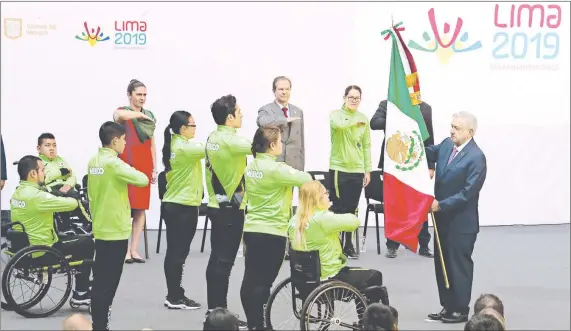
{"x": 269, "y": 198}
{"x": 315, "y": 228}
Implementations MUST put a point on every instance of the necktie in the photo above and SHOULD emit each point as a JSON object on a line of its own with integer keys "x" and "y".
{"x": 454, "y": 152}
{"x": 284, "y": 109}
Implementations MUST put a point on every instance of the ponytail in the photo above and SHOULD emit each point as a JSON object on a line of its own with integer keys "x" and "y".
{"x": 167, "y": 149}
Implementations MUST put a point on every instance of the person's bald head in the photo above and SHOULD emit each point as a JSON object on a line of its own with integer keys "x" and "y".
{"x": 76, "y": 322}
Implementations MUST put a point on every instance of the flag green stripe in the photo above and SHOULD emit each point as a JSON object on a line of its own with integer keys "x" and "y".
{"x": 399, "y": 94}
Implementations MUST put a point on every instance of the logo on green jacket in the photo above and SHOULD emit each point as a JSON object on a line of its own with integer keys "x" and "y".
{"x": 405, "y": 149}
{"x": 255, "y": 174}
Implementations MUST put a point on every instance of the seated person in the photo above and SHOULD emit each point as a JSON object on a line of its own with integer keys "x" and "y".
{"x": 221, "y": 319}
{"x": 35, "y": 209}
{"x": 60, "y": 180}
{"x": 379, "y": 317}
{"x": 315, "y": 228}
{"x": 494, "y": 313}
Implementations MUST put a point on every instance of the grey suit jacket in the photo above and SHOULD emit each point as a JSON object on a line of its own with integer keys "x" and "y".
{"x": 457, "y": 185}
{"x": 292, "y": 133}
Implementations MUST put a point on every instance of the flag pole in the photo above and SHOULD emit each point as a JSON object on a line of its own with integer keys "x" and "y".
{"x": 440, "y": 251}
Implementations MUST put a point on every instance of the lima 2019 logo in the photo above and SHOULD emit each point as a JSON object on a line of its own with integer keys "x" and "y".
{"x": 128, "y": 34}
{"x": 92, "y": 36}
{"x": 525, "y": 32}
{"x": 445, "y": 45}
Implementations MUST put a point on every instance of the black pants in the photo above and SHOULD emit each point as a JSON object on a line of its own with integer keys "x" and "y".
{"x": 457, "y": 249}
{"x": 361, "y": 279}
{"x": 423, "y": 238}
{"x": 109, "y": 261}
{"x": 345, "y": 194}
{"x": 225, "y": 237}
{"x": 181, "y": 224}
{"x": 80, "y": 248}
{"x": 263, "y": 259}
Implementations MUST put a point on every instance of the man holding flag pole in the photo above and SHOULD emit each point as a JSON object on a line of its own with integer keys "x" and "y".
{"x": 408, "y": 193}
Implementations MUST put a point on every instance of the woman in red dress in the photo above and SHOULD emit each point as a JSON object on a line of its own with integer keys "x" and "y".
{"x": 140, "y": 153}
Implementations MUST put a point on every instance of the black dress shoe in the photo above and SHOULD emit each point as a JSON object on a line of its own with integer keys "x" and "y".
{"x": 425, "y": 251}
{"x": 438, "y": 316}
{"x": 455, "y": 318}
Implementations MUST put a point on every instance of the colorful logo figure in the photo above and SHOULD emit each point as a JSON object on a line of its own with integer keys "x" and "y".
{"x": 93, "y": 37}
{"x": 443, "y": 45}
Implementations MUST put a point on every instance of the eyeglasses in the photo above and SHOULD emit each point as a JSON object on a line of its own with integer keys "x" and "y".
{"x": 354, "y": 98}
{"x": 191, "y": 125}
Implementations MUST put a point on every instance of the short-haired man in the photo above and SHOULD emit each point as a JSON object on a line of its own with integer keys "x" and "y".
{"x": 35, "y": 208}
{"x": 378, "y": 122}
{"x": 107, "y": 178}
{"x": 60, "y": 179}
{"x": 460, "y": 175}
{"x": 226, "y": 156}
{"x": 289, "y": 118}
{"x": 484, "y": 322}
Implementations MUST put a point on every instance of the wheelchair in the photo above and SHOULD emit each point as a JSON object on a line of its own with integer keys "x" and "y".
{"x": 314, "y": 302}
{"x": 39, "y": 267}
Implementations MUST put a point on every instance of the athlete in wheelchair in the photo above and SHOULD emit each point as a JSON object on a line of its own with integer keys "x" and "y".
{"x": 61, "y": 181}
{"x": 320, "y": 281}
{"x": 39, "y": 255}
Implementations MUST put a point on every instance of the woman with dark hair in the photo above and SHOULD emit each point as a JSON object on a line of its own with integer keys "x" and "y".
{"x": 181, "y": 158}
{"x": 269, "y": 199}
{"x": 139, "y": 153}
{"x": 350, "y": 161}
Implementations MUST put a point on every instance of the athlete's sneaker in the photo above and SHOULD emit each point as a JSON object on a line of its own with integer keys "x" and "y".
{"x": 184, "y": 303}
{"x": 81, "y": 299}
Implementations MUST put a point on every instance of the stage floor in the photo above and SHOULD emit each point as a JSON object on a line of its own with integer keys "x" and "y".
{"x": 526, "y": 266}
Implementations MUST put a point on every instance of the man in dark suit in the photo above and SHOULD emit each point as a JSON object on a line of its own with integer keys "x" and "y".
{"x": 378, "y": 122}
{"x": 460, "y": 174}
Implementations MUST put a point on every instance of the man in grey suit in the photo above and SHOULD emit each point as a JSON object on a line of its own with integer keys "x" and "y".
{"x": 460, "y": 174}
{"x": 289, "y": 119}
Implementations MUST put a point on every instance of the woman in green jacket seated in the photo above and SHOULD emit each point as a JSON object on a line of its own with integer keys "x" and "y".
{"x": 315, "y": 228}
{"x": 269, "y": 201}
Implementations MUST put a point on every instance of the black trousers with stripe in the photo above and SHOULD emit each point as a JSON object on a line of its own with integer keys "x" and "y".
{"x": 345, "y": 193}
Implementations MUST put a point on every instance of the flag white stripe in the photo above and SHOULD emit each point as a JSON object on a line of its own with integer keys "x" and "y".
{"x": 419, "y": 177}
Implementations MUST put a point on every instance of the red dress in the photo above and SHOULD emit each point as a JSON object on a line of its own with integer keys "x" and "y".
{"x": 139, "y": 156}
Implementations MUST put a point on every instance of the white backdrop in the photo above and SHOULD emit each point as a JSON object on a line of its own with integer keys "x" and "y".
{"x": 197, "y": 52}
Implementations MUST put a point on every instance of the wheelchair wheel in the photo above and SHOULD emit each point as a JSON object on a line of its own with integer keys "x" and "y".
{"x": 332, "y": 306}
{"x": 5, "y": 257}
{"x": 40, "y": 268}
{"x": 284, "y": 300}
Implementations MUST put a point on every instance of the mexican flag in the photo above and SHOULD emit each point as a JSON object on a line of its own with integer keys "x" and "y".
{"x": 408, "y": 189}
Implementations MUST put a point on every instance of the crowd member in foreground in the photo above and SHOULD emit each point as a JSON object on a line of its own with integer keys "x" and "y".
{"x": 350, "y": 161}
{"x": 226, "y": 154}
{"x": 140, "y": 153}
{"x": 488, "y": 301}
{"x": 483, "y": 322}
{"x": 108, "y": 177}
{"x": 269, "y": 199}
{"x": 221, "y": 319}
{"x": 314, "y": 228}
{"x": 181, "y": 158}
{"x": 379, "y": 317}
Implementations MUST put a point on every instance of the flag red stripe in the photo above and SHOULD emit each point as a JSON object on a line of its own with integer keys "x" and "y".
{"x": 410, "y": 60}
{"x": 405, "y": 210}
